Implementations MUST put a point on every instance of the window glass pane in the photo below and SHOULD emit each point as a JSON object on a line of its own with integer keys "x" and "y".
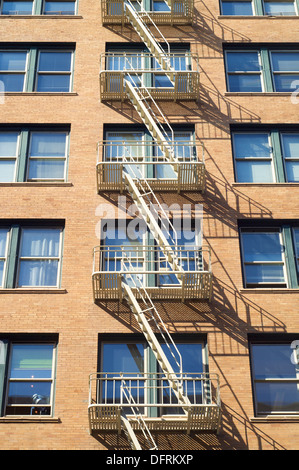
{"x": 277, "y": 397}
{"x": 285, "y": 82}
{"x": 3, "y": 239}
{"x": 38, "y": 273}
{"x": 160, "y": 6}
{"x": 279, "y": 8}
{"x": 1, "y": 272}
{"x": 254, "y": 172}
{"x": 40, "y": 243}
{"x": 31, "y": 361}
{"x": 59, "y": 8}
{"x": 12, "y": 83}
{"x": 55, "y": 61}
{"x": 290, "y": 144}
{"x": 272, "y": 361}
{"x": 53, "y": 83}
{"x": 285, "y": 61}
{"x": 191, "y": 354}
{"x": 27, "y": 393}
{"x": 251, "y": 145}
{"x": 262, "y": 247}
{"x": 292, "y": 169}
{"x": 47, "y": 144}
{"x": 243, "y": 61}
{"x": 122, "y": 357}
{"x": 8, "y": 144}
{"x": 7, "y": 171}
{"x": 46, "y": 169}
{"x": 266, "y": 273}
{"x": 245, "y": 83}
{"x": 237, "y": 8}
{"x": 17, "y": 8}
{"x": 12, "y": 61}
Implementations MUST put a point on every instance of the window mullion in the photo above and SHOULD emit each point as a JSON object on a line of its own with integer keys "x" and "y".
{"x": 12, "y": 257}
{"x": 31, "y": 69}
{"x": 22, "y": 159}
{"x": 258, "y": 7}
{"x": 290, "y": 257}
{"x": 266, "y": 68}
{"x": 38, "y": 5}
{"x": 277, "y": 156}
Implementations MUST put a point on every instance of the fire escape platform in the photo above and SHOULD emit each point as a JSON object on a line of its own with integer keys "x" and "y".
{"x": 195, "y": 285}
{"x": 198, "y": 418}
{"x": 180, "y": 12}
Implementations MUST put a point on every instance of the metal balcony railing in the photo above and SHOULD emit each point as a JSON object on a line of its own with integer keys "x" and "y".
{"x": 110, "y": 394}
{"x": 150, "y": 266}
{"x": 146, "y": 159}
{"x": 145, "y": 73}
{"x": 175, "y": 12}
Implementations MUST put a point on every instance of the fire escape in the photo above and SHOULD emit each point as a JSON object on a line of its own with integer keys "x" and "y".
{"x": 133, "y": 403}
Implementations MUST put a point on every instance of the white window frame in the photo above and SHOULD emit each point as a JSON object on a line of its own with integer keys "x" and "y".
{"x": 273, "y": 73}
{"x": 28, "y": 157}
{"x": 254, "y": 159}
{"x": 5, "y": 255}
{"x": 260, "y": 73}
{"x": 259, "y": 285}
{"x": 44, "y": 258}
{"x": 51, "y": 72}
{"x": 30, "y": 379}
{"x": 18, "y": 72}
{"x": 13, "y": 14}
{"x": 16, "y": 158}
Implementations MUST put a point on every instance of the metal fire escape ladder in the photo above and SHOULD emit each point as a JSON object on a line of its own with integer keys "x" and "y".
{"x": 135, "y": 18}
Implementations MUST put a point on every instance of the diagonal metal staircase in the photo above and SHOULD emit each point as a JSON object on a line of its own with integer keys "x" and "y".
{"x": 159, "y": 225}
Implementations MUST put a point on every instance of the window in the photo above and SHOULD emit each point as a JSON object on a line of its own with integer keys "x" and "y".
{"x": 13, "y": 66}
{"x": 275, "y": 376}
{"x": 134, "y": 59}
{"x": 148, "y": 159}
{"x": 8, "y": 7}
{"x": 266, "y": 156}
{"x": 276, "y": 8}
{"x": 29, "y": 367}
{"x": 261, "y": 70}
{"x": 259, "y": 7}
{"x": 244, "y": 71}
{"x": 135, "y": 358}
{"x": 30, "y": 256}
{"x": 37, "y": 7}
{"x": 32, "y": 69}
{"x": 268, "y": 255}
{"x": 239, "y": 8}
{"x": 33, "y": 154}
{"x": 131, "y": 248}
{"x": 59, "y": 8}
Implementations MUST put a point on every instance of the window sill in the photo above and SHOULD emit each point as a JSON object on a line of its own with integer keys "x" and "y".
{"x": 43, "y": 16}
{"x": 32, "y": 290}
{"x": 275, "y": 419}
{"x": 258, "y": 93}
{"x": 284, "y": 184}
{"x": 31, "y": 419}
{"x": 267, "y": 290}
{"x": 36, "y": 184}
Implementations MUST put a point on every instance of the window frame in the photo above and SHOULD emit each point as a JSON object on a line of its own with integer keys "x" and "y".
{"x": 23, "y": 158}
{"x": 244, "y": 73}
{"x": 6, "y": 343}
{"x": 32, "y": 63}
{"x": 12, "y": 270}
{"x": 286, "y": 237}
{"x": 283, "y": 73}
{"x": 5, "y": 257}
{"x": 43, "y": 12}
{"x": 16, "y": 14}
{"x": 260, "y": 284}
{"x": 254, "y": 381}
{"x": 17, "y": 72}
{"x": 258, "y": 9}
{"x": 150, "y": 364}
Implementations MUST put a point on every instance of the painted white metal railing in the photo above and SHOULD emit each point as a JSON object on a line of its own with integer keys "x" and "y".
{"x": 153, "y": 390}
